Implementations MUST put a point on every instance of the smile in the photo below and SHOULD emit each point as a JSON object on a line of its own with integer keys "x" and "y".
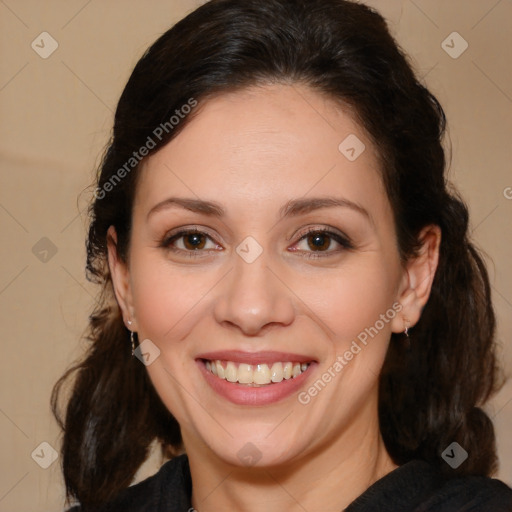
{"x": 255, "y": 378}
{"x": 260, "y": 374}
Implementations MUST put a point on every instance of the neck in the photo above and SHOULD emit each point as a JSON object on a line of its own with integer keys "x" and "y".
{"x": 329, "y": 478}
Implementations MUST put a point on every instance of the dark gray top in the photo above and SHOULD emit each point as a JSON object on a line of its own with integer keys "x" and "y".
{"x": 413, "y": 487}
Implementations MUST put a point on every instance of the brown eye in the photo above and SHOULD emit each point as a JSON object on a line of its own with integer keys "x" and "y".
{"x": 190, "y": 242}
{"x": 193, "y": 241}
{"x": 319, "y": 241}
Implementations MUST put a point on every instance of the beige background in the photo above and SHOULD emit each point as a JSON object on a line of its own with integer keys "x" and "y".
{"x": 56, "y": 114}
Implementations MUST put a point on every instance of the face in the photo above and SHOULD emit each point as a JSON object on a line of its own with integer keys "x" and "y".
{"x": 263, "y": 266}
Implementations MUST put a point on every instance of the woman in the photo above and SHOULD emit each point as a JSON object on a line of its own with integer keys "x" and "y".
{"x": 290, "y": 302}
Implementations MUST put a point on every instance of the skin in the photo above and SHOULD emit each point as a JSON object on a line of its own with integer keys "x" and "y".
{"x": 252, "y": 151}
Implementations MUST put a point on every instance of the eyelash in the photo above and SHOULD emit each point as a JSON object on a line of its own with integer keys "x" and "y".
{"x": 344, "y": 242}
{"x": 168, "y": 240}
{"x": 337, "y": 237}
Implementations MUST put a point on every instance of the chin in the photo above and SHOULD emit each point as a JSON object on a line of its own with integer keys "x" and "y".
{"x": 249, "y": 448}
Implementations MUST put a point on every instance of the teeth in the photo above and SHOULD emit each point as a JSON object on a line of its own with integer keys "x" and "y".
{"x": 276, "y": 373}
{"x": 220, "y": 370}
{"x": 231, "y": 374}
{"x": 245, "y": 374}
{"x": 259, "y": 374}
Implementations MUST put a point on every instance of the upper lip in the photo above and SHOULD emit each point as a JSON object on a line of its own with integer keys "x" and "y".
{"x": 237, "y": 356}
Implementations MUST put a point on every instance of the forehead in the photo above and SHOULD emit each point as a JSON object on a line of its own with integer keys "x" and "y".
{"x": 264, "y": 144}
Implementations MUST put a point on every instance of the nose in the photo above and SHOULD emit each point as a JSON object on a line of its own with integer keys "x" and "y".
{"x": 253, "y": 299}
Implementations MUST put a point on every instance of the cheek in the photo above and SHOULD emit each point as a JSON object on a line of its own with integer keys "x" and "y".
{"x": 352, "y": 299}
{"x": 168, "y": 304}
{"x": 165, "y": 298}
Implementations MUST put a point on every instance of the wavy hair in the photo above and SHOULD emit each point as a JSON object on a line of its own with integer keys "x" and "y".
{"x": 431, "y": 393}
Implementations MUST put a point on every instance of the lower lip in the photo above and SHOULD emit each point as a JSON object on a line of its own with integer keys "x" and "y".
{"x": 247, "y": 395}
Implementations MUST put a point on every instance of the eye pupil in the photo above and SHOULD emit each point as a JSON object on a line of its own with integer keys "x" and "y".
{"x": 194, "y": 241}
{"x": 318, "y": 241}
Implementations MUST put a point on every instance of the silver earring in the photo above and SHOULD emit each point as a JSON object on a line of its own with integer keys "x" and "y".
{"x": 407, "y": 340}
{"x": 406, "y": 329}
{"x": 132, "y": 341}
{"x": 132, "y": 337}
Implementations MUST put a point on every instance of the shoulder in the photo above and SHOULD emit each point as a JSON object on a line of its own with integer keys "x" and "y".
{"x": 419, "y": 486}
{"x": 471, "y": 494}
{"x": 168, "y": 489}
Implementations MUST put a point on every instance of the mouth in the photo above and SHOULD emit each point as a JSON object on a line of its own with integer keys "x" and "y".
{"x": 261, "y": 374}
{"x": 259, "y": 378}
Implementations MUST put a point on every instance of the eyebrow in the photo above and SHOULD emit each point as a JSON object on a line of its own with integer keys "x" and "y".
{"x": 302, "y": 206}
{"x": 194, "y": 205}
{"x": 292, "y": 208}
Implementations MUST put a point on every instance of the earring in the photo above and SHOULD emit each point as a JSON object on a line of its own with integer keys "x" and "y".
{"x": 406, "y": 329}
{"x": 132, "y": 337}
{"x": 132, "y": 340}
{"x": 407, "y": 340}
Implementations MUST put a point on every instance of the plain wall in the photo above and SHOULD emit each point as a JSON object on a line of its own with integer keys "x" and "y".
{"x": 55, "y": 118}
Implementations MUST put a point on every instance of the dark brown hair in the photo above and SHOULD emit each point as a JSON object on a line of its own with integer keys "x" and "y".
{"x": 429, "y": 394}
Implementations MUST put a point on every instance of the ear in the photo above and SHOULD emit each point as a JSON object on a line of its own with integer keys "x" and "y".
{"x": 418, "y": 278}
{"x": 120, "y": 274}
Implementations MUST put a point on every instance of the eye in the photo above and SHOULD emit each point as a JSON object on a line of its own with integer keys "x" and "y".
{"x": 317, "y": 241}
{"x": 190, "y": 241}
